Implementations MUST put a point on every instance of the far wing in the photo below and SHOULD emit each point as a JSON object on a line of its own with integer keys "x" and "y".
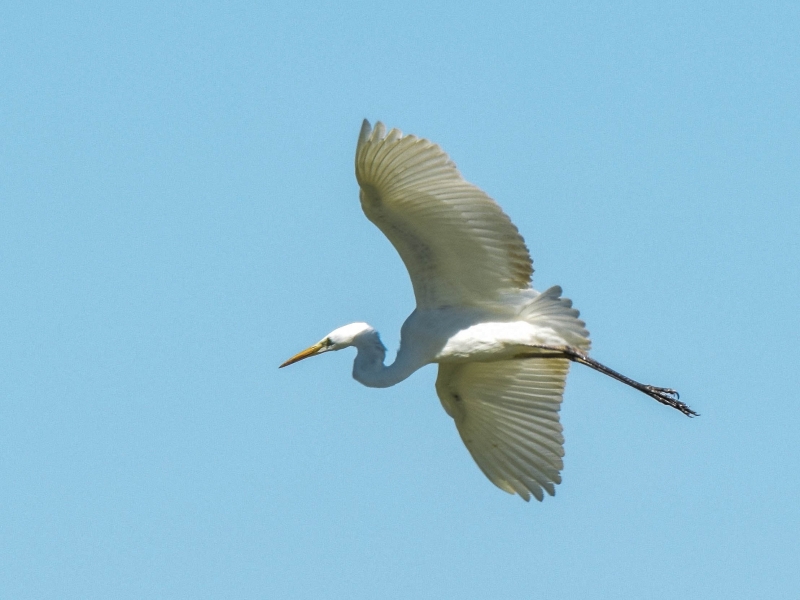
{"x": 458, "y": 245}
{"x": 507, "y": 415}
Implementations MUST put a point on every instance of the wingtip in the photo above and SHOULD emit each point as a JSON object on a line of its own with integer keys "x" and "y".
{"x": 366, "y": 129}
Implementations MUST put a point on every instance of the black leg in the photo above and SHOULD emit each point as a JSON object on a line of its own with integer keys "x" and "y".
{"x": 666, "y": 396}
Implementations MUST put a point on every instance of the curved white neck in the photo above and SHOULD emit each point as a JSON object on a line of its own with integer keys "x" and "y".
{"x": 368, "y": 367}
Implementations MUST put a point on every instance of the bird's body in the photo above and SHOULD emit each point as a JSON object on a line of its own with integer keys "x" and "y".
{"x": 503, "y": 348}
{"x": 455, "y": 335}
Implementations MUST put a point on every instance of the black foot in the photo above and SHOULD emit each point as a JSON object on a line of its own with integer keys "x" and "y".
{"x": 669, "y": 397}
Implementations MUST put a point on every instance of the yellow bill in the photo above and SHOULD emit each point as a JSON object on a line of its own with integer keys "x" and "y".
{"x": 304, "y": 354}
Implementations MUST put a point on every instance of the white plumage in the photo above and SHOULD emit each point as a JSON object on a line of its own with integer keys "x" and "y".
{"x": 503, "y": 349}
{"x": 507, "y": 414}
{"x": 458, "y": 245}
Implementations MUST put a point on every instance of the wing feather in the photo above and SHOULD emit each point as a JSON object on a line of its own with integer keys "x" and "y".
{"x": 507, "y": 415}
{"x": 458, "y": 245}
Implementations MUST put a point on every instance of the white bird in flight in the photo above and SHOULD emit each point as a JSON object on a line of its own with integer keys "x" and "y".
{"x": 503, "y": 349}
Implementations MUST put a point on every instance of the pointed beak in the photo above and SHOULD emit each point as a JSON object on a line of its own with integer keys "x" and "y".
{"x": 315, "y": 349}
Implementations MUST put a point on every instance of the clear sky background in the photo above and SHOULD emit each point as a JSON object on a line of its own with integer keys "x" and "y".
{"x": 178, "y": 215}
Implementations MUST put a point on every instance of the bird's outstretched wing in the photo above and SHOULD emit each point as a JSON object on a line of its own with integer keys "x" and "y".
{"x": 458, "y": 245}
{"x": 507, "y": 415}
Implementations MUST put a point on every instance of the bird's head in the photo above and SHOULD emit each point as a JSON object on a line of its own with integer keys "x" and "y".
{"x": 343, "y": 337}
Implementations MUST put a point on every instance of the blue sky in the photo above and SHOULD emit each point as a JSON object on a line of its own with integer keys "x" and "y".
{"x": 178, "y": 215}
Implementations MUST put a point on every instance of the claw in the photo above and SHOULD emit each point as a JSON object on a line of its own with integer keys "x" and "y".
{"x": 668, "y": 391}
{"x": 669, "y": 397}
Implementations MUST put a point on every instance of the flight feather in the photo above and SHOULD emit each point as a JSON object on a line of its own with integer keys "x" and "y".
{"x": 458, "y": 245}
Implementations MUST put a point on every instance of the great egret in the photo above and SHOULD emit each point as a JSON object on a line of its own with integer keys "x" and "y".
{"x": 503, "y": 348}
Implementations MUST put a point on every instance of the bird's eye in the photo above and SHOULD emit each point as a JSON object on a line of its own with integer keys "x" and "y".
{"x": 328, "y": 342}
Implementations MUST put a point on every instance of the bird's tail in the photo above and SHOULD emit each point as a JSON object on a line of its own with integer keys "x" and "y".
{"x": 549, "y": 309}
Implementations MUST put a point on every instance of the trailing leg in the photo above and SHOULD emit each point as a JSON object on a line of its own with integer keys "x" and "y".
{"x": 666, "y": 396}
